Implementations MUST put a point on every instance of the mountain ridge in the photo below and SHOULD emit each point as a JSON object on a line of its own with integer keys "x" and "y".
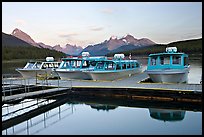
{"x": 68, "y": 49}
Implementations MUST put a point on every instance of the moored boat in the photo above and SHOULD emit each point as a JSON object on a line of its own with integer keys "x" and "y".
{"x": 73, "y": 67}
{"x": 168, "y": 67}
{"x": 34, "y": 69}
{"x": 114, "y": 69}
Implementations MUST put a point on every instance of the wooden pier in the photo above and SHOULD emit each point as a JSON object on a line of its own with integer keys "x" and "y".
{"x": 122, "y": 87}
{"x": 129, "y": 92}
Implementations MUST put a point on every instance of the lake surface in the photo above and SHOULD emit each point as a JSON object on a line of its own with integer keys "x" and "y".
{"x": 89, "y": 118}
{"x": 92, "y": 118}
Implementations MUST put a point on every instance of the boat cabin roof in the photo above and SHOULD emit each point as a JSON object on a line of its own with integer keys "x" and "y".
{"x": 84, "y": 58}
{"x": 165, "y": 53}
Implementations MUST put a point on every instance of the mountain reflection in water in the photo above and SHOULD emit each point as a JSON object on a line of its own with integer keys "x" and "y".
{"x": 73, "y": 112}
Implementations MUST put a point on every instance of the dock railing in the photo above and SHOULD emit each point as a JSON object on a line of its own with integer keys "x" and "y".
{"x": 11, "y": 82}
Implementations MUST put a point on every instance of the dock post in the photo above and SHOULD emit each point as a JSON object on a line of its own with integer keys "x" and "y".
{"x": 36, "y": 78}
{"x": 3, "y": 86}
{"x": 70, "y": 84}
{"x": 46, "y": 77}
{"x": 10, "y": 87}
{"x": 25, "y": 86}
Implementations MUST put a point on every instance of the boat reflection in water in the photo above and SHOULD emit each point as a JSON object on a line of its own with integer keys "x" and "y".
{"x": 167, "y": 114}
{"x": 104, "y": 107}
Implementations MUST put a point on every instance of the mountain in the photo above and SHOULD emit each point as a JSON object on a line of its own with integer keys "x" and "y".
{"x": 72, "y": 50}
{"x": 15, "y": 48}
{"x": 23, "y": 36}
{"x": 192, "y": 47}
{"x": 68, "y": 49}
{"x": 42, "y": 45}
{"x": 115, "y": 44}
{"x": 11, "y": 41}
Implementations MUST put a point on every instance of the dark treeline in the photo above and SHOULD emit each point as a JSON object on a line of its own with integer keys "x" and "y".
{"x": 19, "y": 52}
{"x": 188, "y": 47}
{"x": 14, "y": 48}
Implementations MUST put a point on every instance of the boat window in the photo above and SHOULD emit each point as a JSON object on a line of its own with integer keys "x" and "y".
{"x": 50, "y": 65}
{"x": 137, "y": 65}
{"x": 165, "y": 60}
{"x": 62, "y": 64}
{"x": 131, "y": 65}
{"x": 123, "y": 66}
{"x": 45, "y": 66}
{"x": 38, "y": 65}
{"x": 185, "y": 61}
{"x": 56, "y": 65}
{"x": 111, "y": 66}
{"x": 177, "y": 60}
{"x": 100, "y": 65}
{"x": 93, "y": 63}
{"x": 29, "y": 65}
{"x": 118, "y": 67}
{"x": 86, "y": 64}
{"x": 78, "y": 64}
{"x": 128, "y": 66}
{"x": 153, "y": 61}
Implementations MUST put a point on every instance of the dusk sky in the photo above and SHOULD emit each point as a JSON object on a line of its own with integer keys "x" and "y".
{"x": 84, "y": 23}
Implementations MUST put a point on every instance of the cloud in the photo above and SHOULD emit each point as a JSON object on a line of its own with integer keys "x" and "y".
{"x": 68, "y": 35}
{"x": 96, "y": 28}
{"x": 107, "y": 11}
{"x": 20, "y": 22}
{"x": 191, "y": 35}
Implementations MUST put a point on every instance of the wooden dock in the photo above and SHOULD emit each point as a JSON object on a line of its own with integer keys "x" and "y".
{"x": 32, "y": 94}
{"x": 132, "y": 84}
{"x": 124, "y": 92}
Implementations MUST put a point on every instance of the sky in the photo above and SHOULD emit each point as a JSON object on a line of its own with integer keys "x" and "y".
{"x": 88, "y": 23}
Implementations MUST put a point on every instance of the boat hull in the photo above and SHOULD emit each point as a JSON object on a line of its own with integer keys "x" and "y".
{"x": 169, "y": 76}
{"x": 76, "y": 74}
{"x": 32, "y": 73}
{"x": 112, "y": 75}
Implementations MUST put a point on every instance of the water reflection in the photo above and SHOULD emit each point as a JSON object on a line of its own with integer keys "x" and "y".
{"x": 167, "y": 114}
{"x": 39, "y": 123}
{"x": 104, "y": 107}
{"x": 60, "y": 116}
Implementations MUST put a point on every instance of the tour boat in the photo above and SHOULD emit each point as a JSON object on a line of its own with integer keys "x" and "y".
{"x": 73, "y": 67}
{"x": 168, "y": 67}
{"x": 114, "y": 69}
{"x": 38, "y": 68}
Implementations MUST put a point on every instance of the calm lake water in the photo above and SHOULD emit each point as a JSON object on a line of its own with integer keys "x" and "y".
{"x": 92, "y": 118}
{"x": 82, "y": 118}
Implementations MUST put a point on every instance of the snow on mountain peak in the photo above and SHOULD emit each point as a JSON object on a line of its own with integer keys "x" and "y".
{"x": 23, "y": 36}
{"x": 113, "y": 37}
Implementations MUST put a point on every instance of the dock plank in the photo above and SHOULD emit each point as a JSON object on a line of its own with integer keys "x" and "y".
{"x": 28, "y": 94}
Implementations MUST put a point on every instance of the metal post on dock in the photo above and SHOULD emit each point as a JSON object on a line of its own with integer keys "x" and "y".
{"x": 10, "y": 87}
{"x": 28, "y": 85}
{"x": 46, "y": 77}
{"x": 25, "y": 86}
{"x": 36, "y": 78}
{"x": 70, "y": 84}
{"x": 3, "y": 87}
{"x": 201, "y": 80}
{"x": 58, "y": 77}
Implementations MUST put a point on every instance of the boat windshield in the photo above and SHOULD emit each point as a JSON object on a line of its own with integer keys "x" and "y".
{"x": 165, "y": 60}
{"x": 176, "y": 59}
{"x": 153, "y": 60}
{"x": 29, "y": 65}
